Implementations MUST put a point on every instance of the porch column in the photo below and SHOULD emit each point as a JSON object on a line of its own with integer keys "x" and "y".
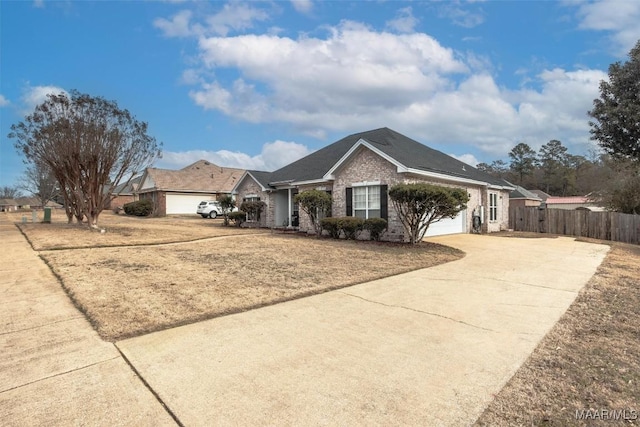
{"x": 289, "y": 206}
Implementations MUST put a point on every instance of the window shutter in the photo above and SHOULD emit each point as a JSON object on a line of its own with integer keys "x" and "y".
{"x": 349, "y": 200}
{"x": 384, "y": 210}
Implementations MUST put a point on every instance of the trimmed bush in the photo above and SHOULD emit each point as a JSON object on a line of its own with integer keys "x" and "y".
{"x": 331, "y": 226}
{"x": 237, "y": 217}
{"x": 376, "y": 227}
{"x": 315, "y": 203}
{"x": 253, "y": 209}
{"x": 351, "y": 226}
{"x": 142, "y": 207}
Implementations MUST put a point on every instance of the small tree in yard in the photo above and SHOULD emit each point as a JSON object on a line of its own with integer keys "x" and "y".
{"x": 227, "y": 204}
{"x": 419, "y": 205}
{"x": 316, "y": 204}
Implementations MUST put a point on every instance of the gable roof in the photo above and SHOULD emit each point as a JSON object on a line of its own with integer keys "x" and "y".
{"x": 521, "y": 193}
{"x": 404, "y": 150}
{"x": 261, "y": 177}
{"x": 127, "y": 188}
{"x": 8, "y": 202}
{"x": 201, "y": 176}
{"x": 543, "y": 196}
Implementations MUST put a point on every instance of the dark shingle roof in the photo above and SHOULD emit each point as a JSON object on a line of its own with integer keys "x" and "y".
{"x": 262, "y": 177}
{"x": 407, "y": 151}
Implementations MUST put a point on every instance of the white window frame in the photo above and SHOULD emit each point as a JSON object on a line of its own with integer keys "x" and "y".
{"x": 493, "y": 207}
{"x": 369, "y": 189}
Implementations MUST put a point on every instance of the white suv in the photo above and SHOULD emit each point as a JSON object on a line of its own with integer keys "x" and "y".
{"x": 209, "y": 208}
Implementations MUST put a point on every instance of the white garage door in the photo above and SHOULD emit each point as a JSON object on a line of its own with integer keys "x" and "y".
{"x": 449, "y": 226}
{"x": 185, "y": 203}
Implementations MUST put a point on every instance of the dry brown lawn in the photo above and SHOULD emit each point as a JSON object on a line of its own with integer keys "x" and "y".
{"x": 121, "y": 230}
{"x": 127, "y": 286}
{"x": 589, "y": 361}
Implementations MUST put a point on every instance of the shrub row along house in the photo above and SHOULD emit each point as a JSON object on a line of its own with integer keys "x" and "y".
{"x": 359, "y": 169}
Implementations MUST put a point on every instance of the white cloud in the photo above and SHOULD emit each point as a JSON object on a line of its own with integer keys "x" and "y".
{"x": 3, "y": 101}
{"x": 469, "y": 159}
{"x": 404, "y": 21}
{"x": 302, "y": 6}
{"x": 177, "y": 26}
{"x": 35, "y": 95}
{"x": 274, "y": 155}
{"x": 38, "y": 4}
{"x": 311, "y": 79}
{"x": 232, "y": 17}
{"x": 619, "y": 17}
{"x": 191, "y": 77}
{"x": 356, "y": 78}
{"x": 462, "y": 17}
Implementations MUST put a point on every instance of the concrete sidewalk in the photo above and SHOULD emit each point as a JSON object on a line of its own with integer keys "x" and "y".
{"x": 54, "y": 369}
{"x": 429, "y": 347}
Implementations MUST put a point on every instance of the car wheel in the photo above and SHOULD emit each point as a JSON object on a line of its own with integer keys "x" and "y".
{"x": 213, "y": 214}
{"x": 203, "y": 216}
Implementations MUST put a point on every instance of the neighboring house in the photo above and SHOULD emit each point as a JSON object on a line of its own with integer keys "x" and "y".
{"x": 521, "y": 197}
{"x": 541, "y": 194}
{"x": 359, "y": 169}
{"x": 180, "y": 191}
{"x": 8, "y": 205}
{"x": 29, "y": 203}
{"x": 572, "y": 203}
{"x": 125, "y": 193}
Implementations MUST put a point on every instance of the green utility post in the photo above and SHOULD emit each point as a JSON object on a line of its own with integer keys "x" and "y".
{"x": 47, "y": 216}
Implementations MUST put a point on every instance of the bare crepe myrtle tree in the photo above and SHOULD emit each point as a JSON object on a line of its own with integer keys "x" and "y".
{"x": 40, "y": 181}
{"x": 91, "y": 146}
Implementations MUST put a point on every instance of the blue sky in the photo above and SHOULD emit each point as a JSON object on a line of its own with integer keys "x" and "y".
{"x": 259, "y": 84}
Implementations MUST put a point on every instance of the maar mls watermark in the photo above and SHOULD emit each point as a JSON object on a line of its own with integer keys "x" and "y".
{"x": 604, "y": 414}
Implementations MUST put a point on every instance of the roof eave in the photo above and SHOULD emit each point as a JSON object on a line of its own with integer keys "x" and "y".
{"x": 234, "y": 190}
{"x": 446, "y": 177}
{"x": 312, "y": 181}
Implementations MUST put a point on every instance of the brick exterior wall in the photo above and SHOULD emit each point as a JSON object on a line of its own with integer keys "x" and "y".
{"x": 159, "y": 202}
{"x": 120, "y": 201}
{"x": 502, "y": 222}
{"x": 249, "y": 187}
{"x": 366, "y": 166}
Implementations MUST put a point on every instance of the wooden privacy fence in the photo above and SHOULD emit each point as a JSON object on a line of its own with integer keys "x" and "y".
{"x": 598, "y": 225}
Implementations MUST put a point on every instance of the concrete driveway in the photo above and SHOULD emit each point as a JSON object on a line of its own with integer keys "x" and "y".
{"x": 429, "y": 347}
